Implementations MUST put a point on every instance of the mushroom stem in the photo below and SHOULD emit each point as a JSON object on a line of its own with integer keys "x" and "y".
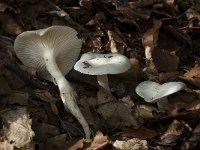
{"x": 103, "y": 82}
{"x": 162, "y": 103}
{"x": 67, "y": 93}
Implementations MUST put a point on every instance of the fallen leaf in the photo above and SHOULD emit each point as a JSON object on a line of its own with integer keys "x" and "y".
{"x": 193, "y": 75}
{"x": 10, "y": 24}
{"x": 99, "y": 142}
{"x": 173, "y": 133}
{"x": 132, "y": 144}
{"x": 193, "y": 141}
{"x": 78, "y": 144}
{"x": 17, "y": 127}
{"x": 141, "y": 133}
{"x": 6, "y": 145}
{"x": 56, "y": 142}
{"x": 85, "y": 109}
{"x": 169, "y": 76}
{"x": 145, "y": 111}
{"x": 117, "y": 115}
{"x": 165, "y": 61}
{"x": 150, "y": 38}
{"x": 43, "y": 131}
{"x": 149, "y": 41}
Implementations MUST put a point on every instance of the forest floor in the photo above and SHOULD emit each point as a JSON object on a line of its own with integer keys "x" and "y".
{"x": 162, "y": 41}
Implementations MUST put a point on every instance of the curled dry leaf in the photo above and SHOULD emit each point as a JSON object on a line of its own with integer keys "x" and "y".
{"x": 173, "y": 133}
{"x": 149, "y": 41}
{"x": 17, "y": 128}
{"x": 132, "y": 144}
{"x": 99, "y": 141}
{"x": 193, "y": 75}
{"x": 150, "y": 38}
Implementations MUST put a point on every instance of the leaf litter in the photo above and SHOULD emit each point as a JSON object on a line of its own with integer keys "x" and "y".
{"x": 161, "y": 39}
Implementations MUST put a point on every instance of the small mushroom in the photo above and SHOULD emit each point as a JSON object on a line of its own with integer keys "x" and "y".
{"x": 53, "y": 51}
{"x": 101, "y": 65}
{"x": 153, "y": 92}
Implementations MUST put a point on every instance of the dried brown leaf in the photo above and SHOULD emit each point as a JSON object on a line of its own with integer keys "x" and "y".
{"x": 132, "y": 144}
{"x": 99, "y": 141}
{"x": 10, "y": 24}
{"x": 117, "y": 115}
{"x": 193, "y": 75}
{"x": 173, "y": 133}
{"x": 165, "y": 61}
{"x": 56, "y": 142}
{"x": 150, "y": 38}
{"x": 77, "y": 145}
{"x": 139, "y": 133}
{"x": 85, "y": 109}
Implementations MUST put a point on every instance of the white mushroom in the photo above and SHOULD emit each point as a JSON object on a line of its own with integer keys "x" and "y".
{"x": 101, "y": 65}
{"x": 53, "y": 51}
{"x": 153, "y": 92}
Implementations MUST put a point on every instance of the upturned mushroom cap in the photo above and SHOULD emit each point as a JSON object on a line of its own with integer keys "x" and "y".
{"x": 152, "y": 91}
{"x": 59, "y": 41}
{"x": 100, "y": 64}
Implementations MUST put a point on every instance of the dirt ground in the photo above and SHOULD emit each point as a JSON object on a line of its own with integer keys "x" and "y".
{"x": 160, "y": 37}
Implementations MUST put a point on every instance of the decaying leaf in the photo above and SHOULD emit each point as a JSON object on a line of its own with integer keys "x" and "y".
{"x": 43, "y": 131}
{"x": 99, "y": 141}
{"x": 17, "y": 127}
{"x": 5, "y": 145}
{"x": 77, "y": 144}
{"x": 193, "y": 141}
{"x": 86, "y": 111}
{"x": 165, "y": 61}
{"x": 132, "y": 144}
{"x": 149, "y": 41}
{"x": 173, "y": 133}
{"x": 57, "y": 142}
{"x": 139, "y": 133}
{"x": 193, "y": 75}
{"x": 117, "y": 115}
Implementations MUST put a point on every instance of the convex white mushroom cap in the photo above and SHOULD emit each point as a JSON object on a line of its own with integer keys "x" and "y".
{"x": 61, "y": 42}
{"x": 100, "y": 64}
{"x": 152, "y": 91}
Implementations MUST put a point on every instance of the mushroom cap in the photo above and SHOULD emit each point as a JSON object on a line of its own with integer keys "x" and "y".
{"x": 152, "y": 91}
{"x": 60, "y": 41}
{"x": 100, "y": 64}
